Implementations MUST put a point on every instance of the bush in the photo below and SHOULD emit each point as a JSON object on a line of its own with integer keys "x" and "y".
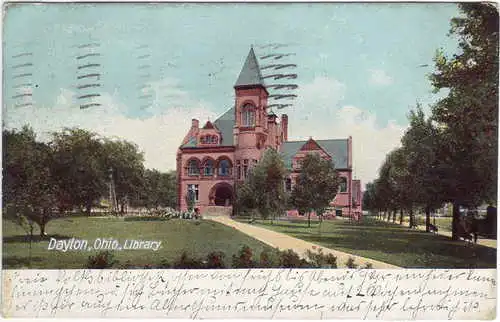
{"x": 368, "y": 266}
{"x": 320, "y": 260}
{"x": 244, "y": 258}
{"x": 102, "y": 260}
{"x": 290, "y": 259}
{"x": 215, "y": 260}
{"x": 350, "y": 263}
{"x": 186, "y": 262}
{"x": 269, "y": 258}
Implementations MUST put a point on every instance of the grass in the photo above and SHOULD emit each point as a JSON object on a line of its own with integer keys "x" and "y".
{"x": 197, "y": 238}
{"x": 390, "y": 243}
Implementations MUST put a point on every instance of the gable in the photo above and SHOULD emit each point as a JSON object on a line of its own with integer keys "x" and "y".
{"x": 224, "y": 124}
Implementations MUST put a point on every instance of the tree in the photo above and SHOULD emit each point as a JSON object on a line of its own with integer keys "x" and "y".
{"x": 125, "y": 162}
{"x": 264, "y": 190}
{"x": 29, "y": 190}
{"x": 421, "y": 143}
{"x": 78, "y": 167}
{"x": 158, "y": 189}
{"x": 468, "y": 115}
{"x": 316, "y": 186}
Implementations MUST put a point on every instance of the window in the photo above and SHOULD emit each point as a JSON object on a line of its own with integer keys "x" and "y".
{"x": 238, "y": 169}
{"x": 224, "y": 168}
{"x": 343, "y": 184}
{"x": 245, "y": 168}
{"x": 288, "y": 184}
{"x": 193, "y": 192}
{"x": 214, "y": 139}
{"x": 208, "y": 168}
{"x": 193, "y": 168}
{"x": 248, "y": 116}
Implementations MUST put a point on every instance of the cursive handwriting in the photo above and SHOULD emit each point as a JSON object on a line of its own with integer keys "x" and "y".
{"x": 258, "y": 293}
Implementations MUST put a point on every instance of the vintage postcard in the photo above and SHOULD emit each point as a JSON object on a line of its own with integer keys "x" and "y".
{"x": 250, "y": 160}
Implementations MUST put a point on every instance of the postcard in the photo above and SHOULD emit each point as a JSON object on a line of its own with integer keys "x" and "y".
{"x": 250, "y": 160}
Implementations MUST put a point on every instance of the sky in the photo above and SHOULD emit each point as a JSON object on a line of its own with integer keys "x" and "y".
{"x": 360, "y": 68}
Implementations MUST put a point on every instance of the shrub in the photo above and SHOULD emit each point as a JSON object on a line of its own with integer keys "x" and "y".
{"x": 186, "y": 262}
{"x": 321, "y": 260}
{"x": 290, "y": 259}
{"x": 102, "y": 260}
{"x": 368, "y": 266}
{"x": 244, "y": 258}
{"x": 269, "y": 258}
{"x": 215, "y": 260}
{"x": 350, "y": 263}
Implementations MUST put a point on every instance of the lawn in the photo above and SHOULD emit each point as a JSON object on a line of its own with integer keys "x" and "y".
{"x": 176, "y": 235}
{"x": 390, "y": 243}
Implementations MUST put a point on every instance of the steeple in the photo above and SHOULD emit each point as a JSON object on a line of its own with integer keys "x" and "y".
{"x": 250, "y": 74}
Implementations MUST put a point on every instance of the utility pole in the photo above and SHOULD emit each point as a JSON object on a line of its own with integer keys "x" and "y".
{"x": 112, "y": 192}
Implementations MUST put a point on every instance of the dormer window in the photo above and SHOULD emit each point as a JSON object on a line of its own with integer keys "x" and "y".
{"x": 248, "y": 115}
{"x": 209, "y": 139}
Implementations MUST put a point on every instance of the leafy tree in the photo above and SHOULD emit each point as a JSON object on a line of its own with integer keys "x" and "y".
{"x": 263, "y": 189}
{"x": 29, "y": 189}
{"x": 468, "y": 115}
{"x": 125, "y": 162}
{"x": 159, "y": 189}
{"x": 78, "y": 168}
{"x": 317, "y": 185}
{"x": 421, "y": 143}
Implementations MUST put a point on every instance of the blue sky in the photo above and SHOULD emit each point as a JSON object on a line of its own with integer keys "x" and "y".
{"x": 359, "y": 68}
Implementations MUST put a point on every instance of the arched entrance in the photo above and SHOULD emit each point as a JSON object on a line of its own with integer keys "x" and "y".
{"x": 221, "y": 194}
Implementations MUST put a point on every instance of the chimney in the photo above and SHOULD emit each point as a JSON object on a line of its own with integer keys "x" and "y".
{"x": 284, "y": 126}
{"x": 195, "y": 124}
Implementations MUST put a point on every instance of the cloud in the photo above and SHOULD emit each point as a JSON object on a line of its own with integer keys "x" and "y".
{"x": 380, "y": 77}
{"x": 327, "y": 118}
{"x": 157, "y": 135}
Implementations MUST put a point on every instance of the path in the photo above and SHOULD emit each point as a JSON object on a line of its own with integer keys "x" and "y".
{"x": 284, "y": 242}
{"x": 480, "y": 241}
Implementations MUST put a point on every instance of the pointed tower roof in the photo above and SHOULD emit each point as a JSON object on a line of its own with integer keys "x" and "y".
{"x": 250, "y": 73}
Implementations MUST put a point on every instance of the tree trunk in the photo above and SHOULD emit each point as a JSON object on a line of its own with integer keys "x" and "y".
{"x": 309, "y": 219}
{"x": 88, "y": 208}
{"x": 394, "y": 212}
{"x": 42, "y": 229}
{"x": 122, "y": 207}
{"x": 427, "y": 219}
{"x": 456, "y": 221}
{"x": 400, "y": 216}
{"x": 411, "y": 218}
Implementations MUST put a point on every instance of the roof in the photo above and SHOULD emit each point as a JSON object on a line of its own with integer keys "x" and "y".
{"x": 336, "y": 148}
{"x": 225, "y": 124}
{"x": 208, "y": 125}
{"x": 250, "y": 73}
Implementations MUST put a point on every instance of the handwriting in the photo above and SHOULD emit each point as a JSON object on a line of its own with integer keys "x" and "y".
{"x": 259, "y": 293}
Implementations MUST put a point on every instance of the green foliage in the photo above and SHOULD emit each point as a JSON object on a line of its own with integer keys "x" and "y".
{"x": 263, "y": 189}
{"x": 290, "y": 259}
{"x": 185, "y": 261}
{"x": 317, "y": 185}
{"x": 30, "y": 189}
{"x": 320, "y": 260}
{"x": 269, "y": 258}
{"x": 244, "y": 258}
{"x": 350, "y": 263}
{"x": 102, "y": 260}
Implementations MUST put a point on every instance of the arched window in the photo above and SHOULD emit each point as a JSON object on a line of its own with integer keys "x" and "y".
{"x": 208, "y": 168}
{"x": 343, "y": 184}
{"x": 214, "y": 139}
{"x": 224, "y": 168}
{"x": 193, "y": 167}
{"x": 248, "y": 115}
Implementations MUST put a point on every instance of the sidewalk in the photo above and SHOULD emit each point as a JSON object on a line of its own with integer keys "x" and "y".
{"x": 284, "y": 242}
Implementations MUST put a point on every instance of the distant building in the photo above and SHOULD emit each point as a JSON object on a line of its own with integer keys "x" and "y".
{"x": 213, "y": 157}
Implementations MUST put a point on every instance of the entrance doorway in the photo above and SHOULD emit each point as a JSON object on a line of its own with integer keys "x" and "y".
{"x": 222, "y": 194}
